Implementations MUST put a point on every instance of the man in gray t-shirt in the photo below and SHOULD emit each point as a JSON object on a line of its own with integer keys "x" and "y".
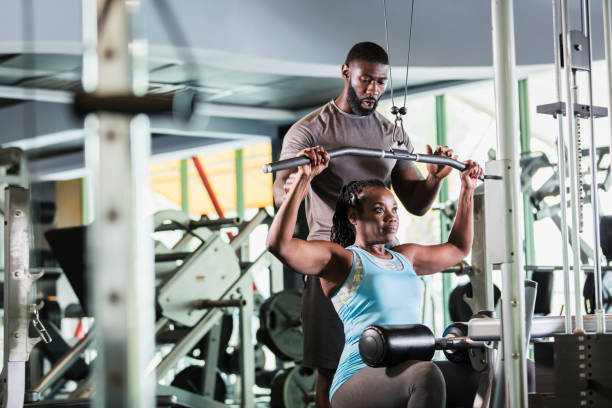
{"x": 349, "y": 120}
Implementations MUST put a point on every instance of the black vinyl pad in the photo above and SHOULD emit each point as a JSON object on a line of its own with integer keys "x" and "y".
{"x": 68, "y": 246}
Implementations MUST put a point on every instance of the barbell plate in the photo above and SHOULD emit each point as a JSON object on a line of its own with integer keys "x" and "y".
{"x": 293, "y": 388}
{"x": 280, "y": 326}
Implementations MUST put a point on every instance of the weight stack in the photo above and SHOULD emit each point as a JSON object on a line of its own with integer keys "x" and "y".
{"x": 583, "y": 369}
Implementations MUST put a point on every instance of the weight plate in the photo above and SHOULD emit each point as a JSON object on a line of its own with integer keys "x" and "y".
{"x": 461, "y": 311}
{"x": 280, "y": 327}
{"x": 192, "y": 379}
{"x": 294, "y": 388}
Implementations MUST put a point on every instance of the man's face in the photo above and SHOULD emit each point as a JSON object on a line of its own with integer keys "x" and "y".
{"x": 366, "y": 83}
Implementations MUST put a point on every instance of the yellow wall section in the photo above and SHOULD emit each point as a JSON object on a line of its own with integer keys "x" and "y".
{"x": 219, "y": 167}
{"x": 69, "y": 201}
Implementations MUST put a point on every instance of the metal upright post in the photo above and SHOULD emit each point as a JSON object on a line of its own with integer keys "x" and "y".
{"x": 570, "y": 124}
{"x": 239, "y": 165}
{"x": 17, "y": 286}
{"x": 607, "y": 26}
{"x": 117, "y": 152}
{"x": 247, "y": 353}
{"x": 523, "y": 94}
{"x": 444, "y": 231}
{"x": 561, "y": 169}
{"x": 599, "y": 311}
{"x": 184, "y": 186}
{"x": 240, "y": 204}
{"x": 506, "y": 102}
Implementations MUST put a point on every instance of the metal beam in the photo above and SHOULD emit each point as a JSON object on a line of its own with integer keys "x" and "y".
{"x": 202, "y": 109}
{"x": 239, "y": 167}
{"x": 246, "y": 112}
{"x": 443, "y": 197}
{"x": 525, "y": 131}
{"x": 184, "y": 186}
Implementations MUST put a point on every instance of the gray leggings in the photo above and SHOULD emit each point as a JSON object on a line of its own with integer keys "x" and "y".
{"x": 409, "y": 384}
{"x": 406, "y": 385}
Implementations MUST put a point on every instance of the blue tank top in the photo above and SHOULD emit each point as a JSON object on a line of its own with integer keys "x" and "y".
{"x": 376, "y": 291}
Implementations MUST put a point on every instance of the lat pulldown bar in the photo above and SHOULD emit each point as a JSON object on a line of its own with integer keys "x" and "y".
{"x": 380, "y": 154}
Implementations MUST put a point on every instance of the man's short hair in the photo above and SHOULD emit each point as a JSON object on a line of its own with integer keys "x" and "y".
{"x": 368, "y": 52}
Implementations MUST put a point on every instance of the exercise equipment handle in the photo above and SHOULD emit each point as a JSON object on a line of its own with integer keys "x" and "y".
{"x": 363, "y": 152}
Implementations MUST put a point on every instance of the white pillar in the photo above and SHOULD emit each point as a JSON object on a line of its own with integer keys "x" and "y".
{"x": 117, "y": 150}
{"x": 513, "y": 275}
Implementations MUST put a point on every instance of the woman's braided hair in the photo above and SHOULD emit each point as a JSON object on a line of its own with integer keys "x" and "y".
{"x": 343, "y": 232}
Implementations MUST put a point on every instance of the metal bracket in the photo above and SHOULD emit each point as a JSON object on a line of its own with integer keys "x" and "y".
{"x": 498, "y": 212}
{"x": 579, "y": 49}
{"x": 17, "y": 285}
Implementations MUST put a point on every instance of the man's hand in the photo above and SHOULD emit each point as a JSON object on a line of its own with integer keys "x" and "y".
{"x": 436, "y": 170}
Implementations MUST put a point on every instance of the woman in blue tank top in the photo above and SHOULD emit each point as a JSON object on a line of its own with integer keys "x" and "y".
{"x": 370, "y": 284}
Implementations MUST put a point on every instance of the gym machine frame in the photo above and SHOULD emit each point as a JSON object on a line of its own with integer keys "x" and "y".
{"x": 206, "y": 313}
{"x": 18, "y": 312}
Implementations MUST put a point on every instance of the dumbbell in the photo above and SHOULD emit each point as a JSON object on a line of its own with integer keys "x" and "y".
{"x": 384, "y": 346}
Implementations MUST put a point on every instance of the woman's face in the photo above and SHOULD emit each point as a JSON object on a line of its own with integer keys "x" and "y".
{"x": 377, "y": 221}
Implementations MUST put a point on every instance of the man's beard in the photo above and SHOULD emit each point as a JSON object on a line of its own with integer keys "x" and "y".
{"x": 355, "y": 103}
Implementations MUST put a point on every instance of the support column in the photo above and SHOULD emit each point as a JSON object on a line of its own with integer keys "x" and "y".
{"x": 570, "y": 130}
{"x": 444, "y": 230}
{"x": 607, "y": 26}
{"x": 85, "y": 201}
{"x": 16, "y": 303}
{"x": 121, "y": 279}
{"x": 523, "y": 94}
{"x": 239, "y": 167}
{"x": 184, "y": 186}
{"x": 513, "y": 300}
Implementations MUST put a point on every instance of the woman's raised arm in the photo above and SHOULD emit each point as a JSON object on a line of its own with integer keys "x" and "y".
{"x": 306, "y": 257}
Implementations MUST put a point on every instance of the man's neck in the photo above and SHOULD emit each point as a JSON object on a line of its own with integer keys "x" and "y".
{"x": 342, "y": 103}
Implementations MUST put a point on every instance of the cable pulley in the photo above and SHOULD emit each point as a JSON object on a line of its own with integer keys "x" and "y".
{"x": 399, "y": 134}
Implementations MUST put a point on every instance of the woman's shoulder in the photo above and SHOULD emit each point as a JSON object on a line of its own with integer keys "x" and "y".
{"x": 404, "y": 250}
{"x": 336, "y": 250}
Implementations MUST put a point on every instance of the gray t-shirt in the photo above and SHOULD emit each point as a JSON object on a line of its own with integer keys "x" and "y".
{"x": 331, "y": 128}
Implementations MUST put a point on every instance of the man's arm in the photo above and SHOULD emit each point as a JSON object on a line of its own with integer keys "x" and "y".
{"x": 416, "y": 193}
{"x": 281, "y": 187}
{"x": 296, "y": 139}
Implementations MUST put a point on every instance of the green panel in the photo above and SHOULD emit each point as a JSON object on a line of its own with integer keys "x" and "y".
{"x": 530, "y": 256}
{"x": 184, "y": 187}
{"x": 239, "y": 164}
{"x": 444, "y": 230}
